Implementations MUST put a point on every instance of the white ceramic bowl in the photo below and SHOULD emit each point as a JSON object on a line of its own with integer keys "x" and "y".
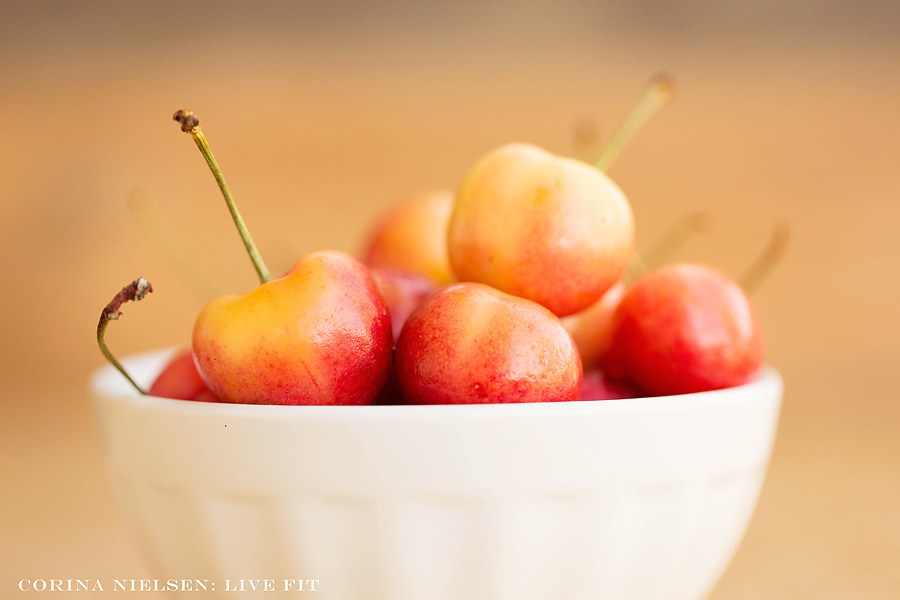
{"x": 620, "y": 499}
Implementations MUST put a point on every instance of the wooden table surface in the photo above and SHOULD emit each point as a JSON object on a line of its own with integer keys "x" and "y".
{"x": 318, "y": 135}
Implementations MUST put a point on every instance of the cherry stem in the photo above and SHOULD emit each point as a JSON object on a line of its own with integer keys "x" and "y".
{"x": 770, "y": 257}
{"x": 675, "y": 239}
{"x": 134, "y": 291}
{"x": 158, "y": 229}
{"x": 659, "y": 92}
{"x": 191, "y": 124}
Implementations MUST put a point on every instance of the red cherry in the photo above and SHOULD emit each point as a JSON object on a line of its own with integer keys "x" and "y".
{"x": 685, "y": 328}
{"x": 181, "y": 381}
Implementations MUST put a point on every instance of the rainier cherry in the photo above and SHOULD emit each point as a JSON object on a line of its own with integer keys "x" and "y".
{"x": 551, "y": 229}
{"x": 547, "y": 228}
{"x": 413, "y": 236}
{"x": 319, "y": 335}
{"x": 470, "y": 343}
{"x": 684, "y": 328}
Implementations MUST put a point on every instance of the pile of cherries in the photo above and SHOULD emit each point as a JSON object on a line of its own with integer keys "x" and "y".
{"x": 521, "y": 286}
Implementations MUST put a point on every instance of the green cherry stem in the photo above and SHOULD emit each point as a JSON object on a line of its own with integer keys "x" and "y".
{"x": 134, "y": 291}
{"x": 766, "y": 261}
{"x": 191, "y": 124}
{"x": 659, "y": 92}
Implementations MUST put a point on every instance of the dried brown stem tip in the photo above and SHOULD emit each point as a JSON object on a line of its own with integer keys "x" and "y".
{"x": 132, "y": 292}
{"x": 189, "y": 121}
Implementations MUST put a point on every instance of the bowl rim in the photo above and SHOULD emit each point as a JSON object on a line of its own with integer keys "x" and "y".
{"x": 107, "y": 383}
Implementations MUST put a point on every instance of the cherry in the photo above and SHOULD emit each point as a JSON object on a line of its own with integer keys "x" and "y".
{"x": 413, "y": 236}
{"x": 684, "y": 328}
{"x": 470, "y": 343}
{"x": 319, "y": 335}
{"x": 547, "y": 228}
{"x": 181, "y": 380}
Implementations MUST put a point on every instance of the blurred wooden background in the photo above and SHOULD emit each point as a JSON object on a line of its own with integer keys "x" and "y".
{"x": 324, "y": 114}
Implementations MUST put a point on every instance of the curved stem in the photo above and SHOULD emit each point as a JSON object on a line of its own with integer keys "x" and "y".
{"x": 134, "y": 291}
{"x": 658, "y": 94}
{"x": 191, "y": 124}
{"x": 766, "y": 261}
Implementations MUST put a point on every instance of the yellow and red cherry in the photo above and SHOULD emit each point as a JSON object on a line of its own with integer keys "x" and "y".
{"x": 468, "y": 343}
{"x": 319, "y": 335}
{"x": 547, "y": 228}
{"x": 413, "y": 236}
{"x": 684, "y": 328}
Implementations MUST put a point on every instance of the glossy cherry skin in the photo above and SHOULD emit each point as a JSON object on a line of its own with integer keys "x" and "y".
{"x": 547, "y": 228}
{"x": 469, "y": 343}
{"x": 181, "y": 380}
{"x": 413, "y": 236}
{"x": 685, "y": 328}
{"x": 319, "y": 335}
